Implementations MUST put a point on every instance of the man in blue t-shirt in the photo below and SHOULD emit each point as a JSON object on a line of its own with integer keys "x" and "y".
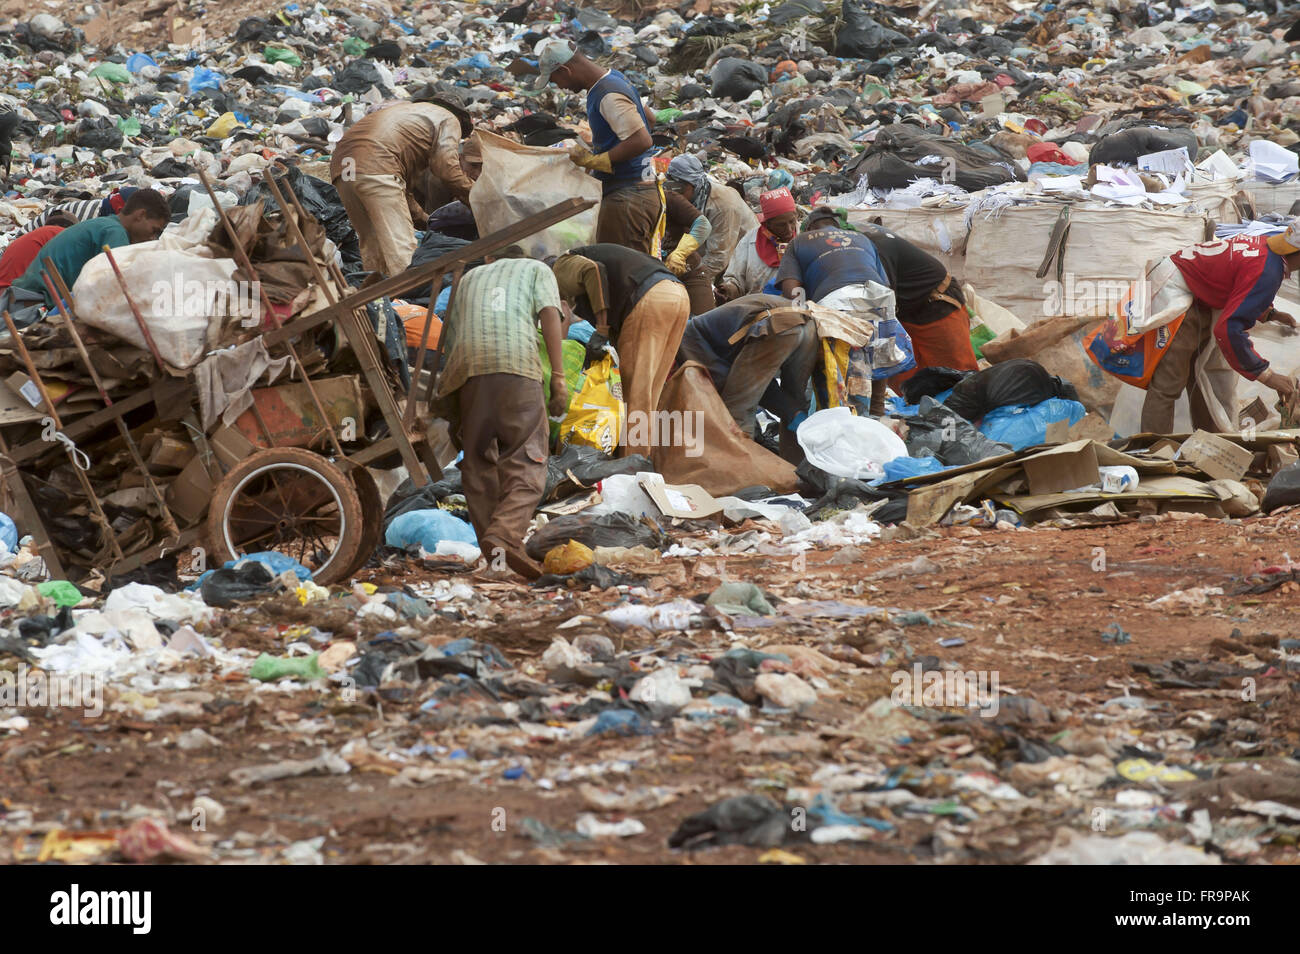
{"x": 825, "y": 259}
{"x": 622, "y": 152}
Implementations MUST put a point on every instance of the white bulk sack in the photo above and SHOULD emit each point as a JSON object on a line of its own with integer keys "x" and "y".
{"x": 183, "y": 295}
{"x": 519, "y": 181}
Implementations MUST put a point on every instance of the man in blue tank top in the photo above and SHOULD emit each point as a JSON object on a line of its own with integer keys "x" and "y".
{"x": 622, "y": 153}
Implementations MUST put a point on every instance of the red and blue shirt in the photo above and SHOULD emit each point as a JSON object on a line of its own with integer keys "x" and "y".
{"x": 1241, "y": 276}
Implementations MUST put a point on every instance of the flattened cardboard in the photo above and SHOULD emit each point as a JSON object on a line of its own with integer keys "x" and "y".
{"x": 685, "y": 501}
{"x": 1215, "y": 456}
{"x": 1154, "y": 488}
{"x": 1063, "y": 468}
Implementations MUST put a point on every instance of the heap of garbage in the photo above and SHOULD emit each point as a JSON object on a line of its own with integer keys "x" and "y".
{"x": 726, "y": 607}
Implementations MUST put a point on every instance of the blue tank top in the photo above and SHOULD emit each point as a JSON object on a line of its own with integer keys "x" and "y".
{"x": 603, "y": 138}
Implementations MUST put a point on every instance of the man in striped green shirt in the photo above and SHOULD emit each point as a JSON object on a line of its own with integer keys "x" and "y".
{"x": 493, "y": 378}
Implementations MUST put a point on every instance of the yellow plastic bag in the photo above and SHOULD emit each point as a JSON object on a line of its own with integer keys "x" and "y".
{"x": 834, "y": 374}
{"x": 596, "y": 413}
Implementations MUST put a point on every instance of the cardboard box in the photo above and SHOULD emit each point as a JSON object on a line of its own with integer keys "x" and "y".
{"x": 230, "y": 446}
{"x": 1279, "y": 456}
{"x": 168, "y": 454}
{"x": 190, "y": 493}
{"x": 26, "y": 389}
{"x": 1219, "y": 458}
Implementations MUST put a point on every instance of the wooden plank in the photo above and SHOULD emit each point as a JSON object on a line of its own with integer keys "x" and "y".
{"x": 162, "y": 393}
{"x": 423, "y": 274}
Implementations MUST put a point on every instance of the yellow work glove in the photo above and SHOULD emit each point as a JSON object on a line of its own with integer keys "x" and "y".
{"x": 676, "y": 261}
{"x": 597, "y": 162}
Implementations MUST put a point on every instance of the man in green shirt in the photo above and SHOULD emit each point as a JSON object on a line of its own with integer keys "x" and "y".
{"x": 493, "y": 380}
{"x": 142, "y": 219}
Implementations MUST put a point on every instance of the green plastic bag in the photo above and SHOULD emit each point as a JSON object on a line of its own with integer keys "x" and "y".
{"x": 113, "y": 72}
{"x": 268, "y": 668}
{"x": 353, "y": 46}
{"x": 61, "y": 591}
{"x": 128, "y": 126}
{"x": 280, "y": 54}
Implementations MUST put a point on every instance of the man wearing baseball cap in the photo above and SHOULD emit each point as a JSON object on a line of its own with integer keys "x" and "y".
{"x": 621, "y": 157}
{"x": 758, "y": 253}
{"x": 1233, "y": 283}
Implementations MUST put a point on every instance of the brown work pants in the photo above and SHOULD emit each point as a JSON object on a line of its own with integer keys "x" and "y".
{"x": 630, "y": 217}
{"x": 1176, "y": 373}
{"x": 378, "y": 210}
{"x": 504, "y": 434}
{"x": 647, "y": 346}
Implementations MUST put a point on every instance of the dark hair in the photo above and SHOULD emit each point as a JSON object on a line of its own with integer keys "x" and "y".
{"x": 62, "y": 219}
{"x": 152, "y": 202}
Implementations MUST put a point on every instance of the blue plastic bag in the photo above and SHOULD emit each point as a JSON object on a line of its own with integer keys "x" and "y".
{"x": 478, "y": 61}
{"x": 139, "y": 61}
{"x": 1021, "y": 427}
{"x": 8, "y": 532}
{"x": 427, "y": 528}
{"x": 277, "y": 563}
{"x": 902, "y": 467}
{"x": 205, "y": 78}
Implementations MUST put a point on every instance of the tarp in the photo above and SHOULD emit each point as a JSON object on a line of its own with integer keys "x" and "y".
{"x": 731, "y": 460}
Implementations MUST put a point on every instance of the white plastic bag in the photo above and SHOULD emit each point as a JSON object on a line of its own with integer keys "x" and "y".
{"x": 518, "y": 181}
{"x": 846, "y": 445}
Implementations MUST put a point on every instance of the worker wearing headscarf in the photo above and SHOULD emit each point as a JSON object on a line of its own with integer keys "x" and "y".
{"x": 728, "y": 216}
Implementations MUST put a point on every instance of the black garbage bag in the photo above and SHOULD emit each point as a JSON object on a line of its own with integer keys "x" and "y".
{"x": 713, "y": 26}
{"x": 734, "y": 78}
{"x": 454, "y": 220}
{"x": 939, "y": 431}
{"x": 893, "y": 161}
{"x": 407, "y": 496}
{"x": 1126, "y": 145}
{"x": 254, "y": 30}
{"x": 595, "y": 576}
{"x": 172, "y": 168}
{"x": 753, "y": 820}
{"x": 828, "y": 490}
{"x": 321, "y": 200}
{"x": 861, "y": 37}
{"x": 928, "y": 382}
{"x": 602, "y": 530}
{"x": 386, "y": 50}
{"x": 226, "y": 587}
{"x": 357, "y": 78}
{"x": 1020, "y": 382}
{"x": 98, "y": 133}
{"x": 1283, "y": 489}
{"x": 577, "y": 467}
{"x": 435, "y": 245}
{"x": 255, "y": 74}
{"x": 38, "y": 630}
{"x": 795, "y": 9}
{"x": 592, "y": 45}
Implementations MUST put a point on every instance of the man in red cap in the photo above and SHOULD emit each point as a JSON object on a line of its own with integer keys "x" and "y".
{"x": 753, "y": 264}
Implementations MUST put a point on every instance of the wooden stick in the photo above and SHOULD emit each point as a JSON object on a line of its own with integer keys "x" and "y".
{"x": 100, "y": 517}
{"x": 169, "y": 523}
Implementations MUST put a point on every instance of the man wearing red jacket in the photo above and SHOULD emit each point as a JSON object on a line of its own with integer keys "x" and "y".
{"x": 1234, "y": 282}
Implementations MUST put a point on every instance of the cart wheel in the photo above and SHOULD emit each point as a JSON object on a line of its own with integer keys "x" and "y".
{"x": 372, "y": 518}
{"x": 291, "y": 501}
